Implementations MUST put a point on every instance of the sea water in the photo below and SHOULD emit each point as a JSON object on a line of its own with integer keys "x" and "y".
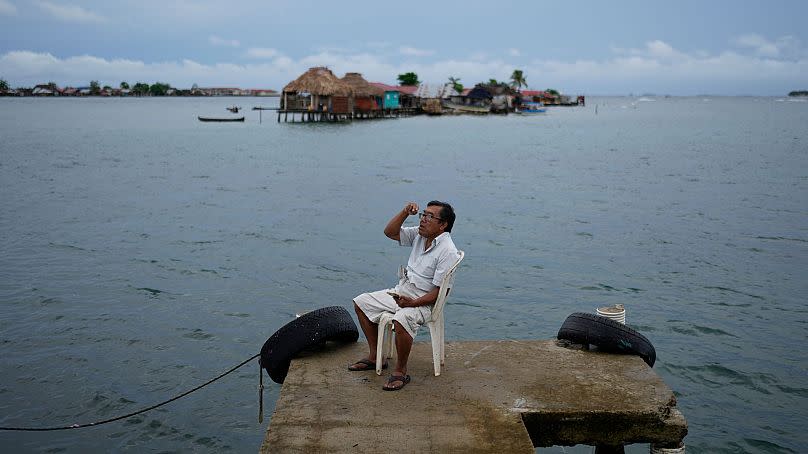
{"x": 144, "y": 252}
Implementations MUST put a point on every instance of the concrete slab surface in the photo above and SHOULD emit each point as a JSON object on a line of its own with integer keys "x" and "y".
{"x": 491, "y": 396}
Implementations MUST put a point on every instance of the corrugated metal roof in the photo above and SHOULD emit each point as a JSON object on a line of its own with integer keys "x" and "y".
{"x": 435, "y": 91}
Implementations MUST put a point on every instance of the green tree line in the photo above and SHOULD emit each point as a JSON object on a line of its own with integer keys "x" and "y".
{"x": 140, "y": 88}
{"x": 518, "y": 80}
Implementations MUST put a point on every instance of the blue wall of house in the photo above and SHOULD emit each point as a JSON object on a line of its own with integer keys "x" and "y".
{"x": 390, "y": 100}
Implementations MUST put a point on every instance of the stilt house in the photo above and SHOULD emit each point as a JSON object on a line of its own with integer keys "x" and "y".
{"x": 318, "y": 89}
{"x": 367, "y": 98}
{"x": 390, "y": 101}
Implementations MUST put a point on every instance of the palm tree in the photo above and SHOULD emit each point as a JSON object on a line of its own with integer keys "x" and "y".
{"x": 455, "y": 81}
{"x": 518, "y": 79}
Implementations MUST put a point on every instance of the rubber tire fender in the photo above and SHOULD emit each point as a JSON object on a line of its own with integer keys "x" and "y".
{"x": 332, "y": 323}
{"x": 607, "y": 334}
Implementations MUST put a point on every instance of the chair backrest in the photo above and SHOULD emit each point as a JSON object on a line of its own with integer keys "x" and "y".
{"x": 437, "y": 310}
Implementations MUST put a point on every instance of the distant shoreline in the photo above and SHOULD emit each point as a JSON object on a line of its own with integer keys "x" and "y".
{"x": 28, "y": 95}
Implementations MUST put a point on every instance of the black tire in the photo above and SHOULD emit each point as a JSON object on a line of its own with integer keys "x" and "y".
{"x": 314, "y": 328}
{"x": 607, "y": 334}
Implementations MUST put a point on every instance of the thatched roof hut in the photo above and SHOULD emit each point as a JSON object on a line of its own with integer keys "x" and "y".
{"x": 360, "y": 86}
{"x": 319, "y": 81}
{"x": 365, "y": 94}
{"x": 318, "y": 89}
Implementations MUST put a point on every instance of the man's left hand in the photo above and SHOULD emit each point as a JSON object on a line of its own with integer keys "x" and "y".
{"x": 404, "y": 301}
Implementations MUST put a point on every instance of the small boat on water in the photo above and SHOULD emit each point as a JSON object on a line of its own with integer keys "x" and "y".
{"x": 531, "y": 107}
{"x": 234, "y": 109}
{"x": 221, "y": 119}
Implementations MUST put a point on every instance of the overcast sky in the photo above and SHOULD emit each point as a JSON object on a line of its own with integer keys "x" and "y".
{"x": 683, "y": 47}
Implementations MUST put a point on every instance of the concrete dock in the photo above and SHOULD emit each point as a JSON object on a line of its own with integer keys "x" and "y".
{"x": 491, "y": 396}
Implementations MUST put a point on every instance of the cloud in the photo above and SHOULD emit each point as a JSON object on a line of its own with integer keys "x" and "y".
{"x": 758, "y": 44}
{"x": 7, "y": 8}
{"x": 262, "y": 52}
{"x": 662, "y": 50}
{"x": 70, "y": 13}
{"x": 783, "y": 47}
{"x": 655, "y": 49}
{"x": 26, "y": 68}
{"x": 514, "y": 52}
{"x": 219, "y": 41}
{"x": 413, "y": 52}
{"x": 657, "y": 67}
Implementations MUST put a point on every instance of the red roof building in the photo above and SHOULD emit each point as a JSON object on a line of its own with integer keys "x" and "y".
{"x": 538, "y": 93}
{"x": 407, "y": 89}
{"x": 384, "y": 87}
{"x": 403, "y": 89}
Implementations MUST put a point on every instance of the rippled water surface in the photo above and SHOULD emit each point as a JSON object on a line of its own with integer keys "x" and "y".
{"x": 144, "y": 252}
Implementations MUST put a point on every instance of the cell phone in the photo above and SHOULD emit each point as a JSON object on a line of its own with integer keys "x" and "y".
{"x": 394, "y": 295}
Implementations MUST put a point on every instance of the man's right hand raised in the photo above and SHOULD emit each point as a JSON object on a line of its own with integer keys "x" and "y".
{"x": 411, "y": 208}
{"x": 393, "y": 228}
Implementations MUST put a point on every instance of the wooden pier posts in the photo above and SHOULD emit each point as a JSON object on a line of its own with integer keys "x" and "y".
{"x": 309, "y": 116}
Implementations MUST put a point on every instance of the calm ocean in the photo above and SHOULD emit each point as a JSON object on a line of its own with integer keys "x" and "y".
{"x": 143, "y": 252}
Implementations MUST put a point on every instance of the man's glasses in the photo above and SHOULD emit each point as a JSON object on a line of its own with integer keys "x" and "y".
{"x": 428, "y": 216}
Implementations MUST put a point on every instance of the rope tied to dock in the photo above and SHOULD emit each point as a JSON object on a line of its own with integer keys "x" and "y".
{"x": 144, "y": 410}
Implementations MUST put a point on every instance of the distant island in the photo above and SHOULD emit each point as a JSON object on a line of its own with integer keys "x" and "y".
{"x": 799, "y": 93}
{"x": 139, "y": 89}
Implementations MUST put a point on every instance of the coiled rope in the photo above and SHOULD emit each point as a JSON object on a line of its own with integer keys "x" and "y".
{"x": 98, "y": 423}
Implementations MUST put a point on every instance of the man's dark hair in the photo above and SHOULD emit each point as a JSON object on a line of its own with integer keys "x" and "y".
{"x": 446, "y": 213}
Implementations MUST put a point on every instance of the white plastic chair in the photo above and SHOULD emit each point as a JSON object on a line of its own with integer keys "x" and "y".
{"x": 384, "y": 343}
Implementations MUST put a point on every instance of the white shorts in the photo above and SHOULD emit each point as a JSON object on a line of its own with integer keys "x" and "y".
{"x": 374, "y": 304}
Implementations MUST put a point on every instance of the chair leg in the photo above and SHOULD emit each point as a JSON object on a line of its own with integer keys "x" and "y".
{"x": 434, "y": 333}
{"x": 388, "y": 345}
{"x": 442, "y": 341}
{"x": 380, "y": 350}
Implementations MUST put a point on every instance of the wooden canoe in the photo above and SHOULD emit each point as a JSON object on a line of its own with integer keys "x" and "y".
{"x": 220, "y": 119}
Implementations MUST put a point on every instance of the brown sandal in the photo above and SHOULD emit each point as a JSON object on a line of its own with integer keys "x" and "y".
{"x": 366, "y": 364}
{"x": 404, "y": 379}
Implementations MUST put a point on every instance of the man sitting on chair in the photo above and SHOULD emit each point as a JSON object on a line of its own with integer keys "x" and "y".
{"x": 411, "y": 301}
